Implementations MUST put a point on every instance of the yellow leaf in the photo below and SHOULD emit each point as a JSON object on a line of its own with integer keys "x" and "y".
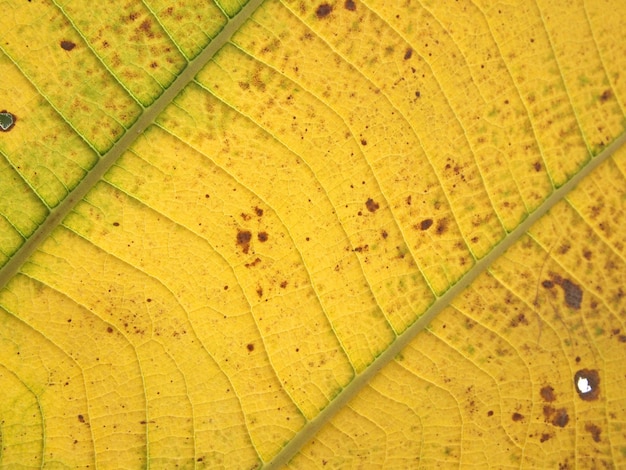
{"x": 307, "y": 234}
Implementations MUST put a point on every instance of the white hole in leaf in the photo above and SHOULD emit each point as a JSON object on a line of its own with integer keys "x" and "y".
{"x": 583, "y": 385}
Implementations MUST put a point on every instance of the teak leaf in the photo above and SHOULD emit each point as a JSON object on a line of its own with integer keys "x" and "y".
{"x": 350, "y": 234}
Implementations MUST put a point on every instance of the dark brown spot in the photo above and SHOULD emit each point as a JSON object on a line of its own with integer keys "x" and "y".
{"x": 109, "y": 329}
{"x": 371, "y": 205}
{"x": 153, "y": 65}
{"x": 363, "y": 142}
{"x": 587, "y": 254}
{"x": 490, "y": 413}
{"x": 547, "y": 393}
{"x": 621, "y": 338}
{"x": 225, "y": 287}
{"x": 116, "y": 224}
{"x": 593, "y": 382}
{"x": 262, "y": 236}
{"x": 519, "y": 319}
{"x": 148, "y": 300}
{"x": 259, "y": 291}
{"x": 81, "y": 418}
{"x": 283, "y": 284}
{"x": 573, "y": 293}
{"x": 408, "y": 201}
{"x": 67, "y": 45}
{"x": 442, "y": 226}
{"x": 537, "y": 166}
{"x": 243, "y": 240}
{"x": 258, "y": 211}
{"x": 606, "y": 95}
{"x": 560, "y": 418}
{"x": 594, "y": 430}
{"x": 384, "y": 234}
{"x": 547, "y": 284}
{"x": 544, "y": 437}
{"x": 425, "y": 224}
{"x": 323, "y": 10}
{"x": 350, "y": 5}
{"x": 517, "y": 417}
{"x": 250, "y": 347}
{"x": 418, "y": 94}
{"x": 408, "y": 53}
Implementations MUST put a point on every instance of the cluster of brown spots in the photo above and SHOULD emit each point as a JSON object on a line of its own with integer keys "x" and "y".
{"x": 606, "y": 95}
{"x": 67, "y": 45}
{"x": 263, "y": 237}
{"x": 250, "y": 347}
{"x": 371, "y": 205}
{"x": 408, "y": 53}
{"x": 253, "y": 264}
{"x": 360, "y": 249}
{"x": 594, "y": 430}
{"x": 323, "y": 10}
{"x": 350, "y": 5}
{"x": 593, "y": 381}
{"x": 519, "y": 320}
{"x": 547, "y": 393}
{"x": 243, "y": 240}
{"x": 557, "y": 417}
{"x": 426, "y": 224}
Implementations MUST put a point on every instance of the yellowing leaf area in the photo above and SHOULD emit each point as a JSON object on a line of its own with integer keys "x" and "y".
{"x": 341, "y": 234}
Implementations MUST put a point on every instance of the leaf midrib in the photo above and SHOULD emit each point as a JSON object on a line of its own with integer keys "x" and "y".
{"x": 147, "y": 118}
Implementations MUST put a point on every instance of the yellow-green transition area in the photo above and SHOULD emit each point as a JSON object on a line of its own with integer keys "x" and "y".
{"x": 297, "y": 234}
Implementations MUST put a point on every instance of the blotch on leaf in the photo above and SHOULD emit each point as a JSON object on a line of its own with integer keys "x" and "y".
{"x": 67, "y": 45}
{"x": 371, "y": 205}
{"x": 243, "y": 240}
{"x": 587, "y": 383}
{"x": 426, "y": 224}
{"x": 323, "y": 10}
{"x": 547, "y": 393}
{"x": 262, "y": 236}
{"x": 7, "y": 120}
{"x": 517, "y": 417}
{"x": 408, "y": 53}
{"x": 606, "y": 95}
{"x": 573, "y": 293}
{"x": 349, "y": 5}
{"x": 560, "y": 418}
{"x": 594, "y": 430}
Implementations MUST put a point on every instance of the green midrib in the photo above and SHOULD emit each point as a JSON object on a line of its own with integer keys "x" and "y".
{"x": 148, "y": 116}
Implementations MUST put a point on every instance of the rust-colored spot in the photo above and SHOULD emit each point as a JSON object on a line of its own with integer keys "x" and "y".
{"x": 560, "y": 418}
{"x": 363, "y": 142}
{"x": 591, "y": 379}
{"x": 537, "y": 166}
{"x": 517, "y": 417}
{"x": 81, "y": 418}
{"x": 258, "y": 211}
{"x": 67, "y": 45}
{"x": 254, "y": 263}
{"x": 606, "y": 95}
{"x": 547, "y": 393}
{"x": 259, "y": 292}
{"x": 350, "y": 5}
{"x": 544, "y": 437}
{"x": 384, "y": 234}
{"x": 109, "y": 329}
{"x": 408, "y": 201}
{"x": 408, "y": 53}
{"x": 243, "y": 240}
{"x": 371, "y": 205}
{"x": 283, "y": 284}
{"x": 116, "y": 224}
{"x": 426, "y": 224}
{"x": 490, "y": 413}
{"x": 250, "y": 347}
{"x": 594, "y": 430}
{"x": 262, "y": 236}
{"x": 418, "y": 94}
{"x": 323, "y": 10}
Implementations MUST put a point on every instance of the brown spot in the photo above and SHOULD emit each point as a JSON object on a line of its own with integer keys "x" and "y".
{"x": 243, "y": 240}
{"x": 81, "y": 418}
{"x": 145, "y": 27}
{"x": 262, "y": 236}
{"x": 323, "y": 10}
{"x": 606, "y": 95}
{"x": 442, "y": 226}
{"x": 116, "y": 224}
{"x": 250, "y": 347}
{"x": 547, "y": 284}
{"x": 587, "y": 254}
{"x": 560, "y": 418}
{"x": 547, "y": 393}
{"x": 258, "y": 211}
{"x": 254, "y": 263}
{"x": 519, "y": 320}
{"x": 283, "y": 284}
{"x": 418, "y": 94}
{"x": 573, "y": 293}
{"x": 408, "y": 201}
{"x": 363, "y": 142}
{"x": 371, "y": 205}
{"x": 425, "y": 224}
{"x": 384, "y": 234}
{"x": 225, "y": 287}
{"x": 245, "y": 216}
{"x": 517, "y": 417}
{"x": 490, "y": 413}
{"x": 109, "y": 329}
{"x": 537, "y": 166}
{"x": 259, "y": 291}
{"x": 153, "y": 65}
{"x": 621, "y": 338}
{"x": 350, "y": 5}
{"x": 408, "y": 53}
{"x": 67, "y": 45}
{"x": 594, "y": 430}
{"x": 593, "y": 381}
{"x": 544, "y": 437}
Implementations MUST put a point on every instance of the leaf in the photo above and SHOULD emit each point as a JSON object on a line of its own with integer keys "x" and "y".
{"x": 307, "y": 234}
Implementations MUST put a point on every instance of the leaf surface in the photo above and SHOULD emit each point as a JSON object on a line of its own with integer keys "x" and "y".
{"x": 305, "y": 234}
